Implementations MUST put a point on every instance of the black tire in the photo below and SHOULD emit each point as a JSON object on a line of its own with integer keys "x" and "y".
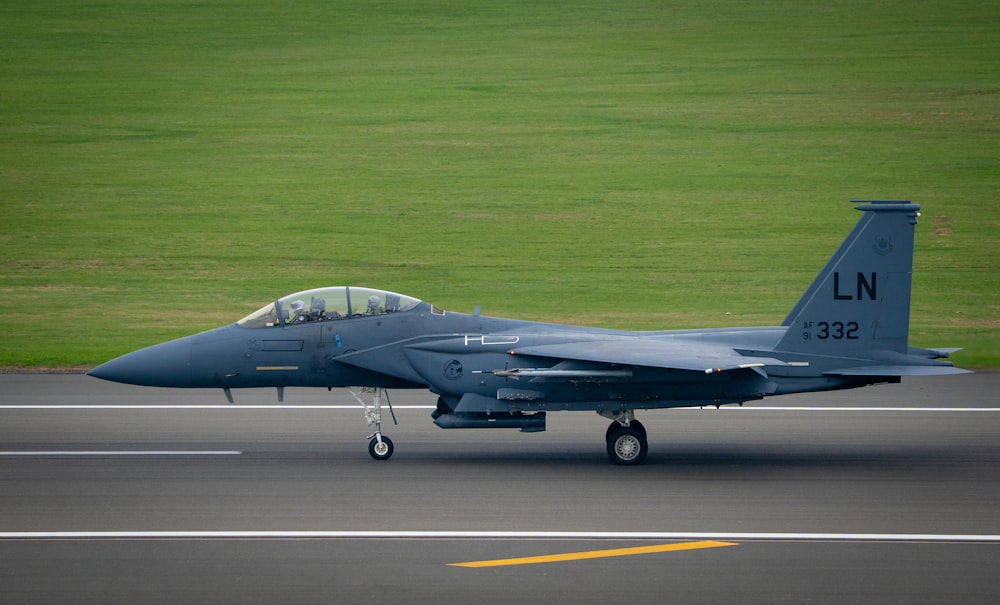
{"x": 627, "y": 446}
{"x": 380, "y": 453}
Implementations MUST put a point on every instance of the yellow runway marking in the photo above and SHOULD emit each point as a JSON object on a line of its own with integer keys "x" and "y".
{"x": 596, "y": 554}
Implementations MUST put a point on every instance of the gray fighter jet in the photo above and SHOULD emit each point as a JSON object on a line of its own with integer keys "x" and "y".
{"x": 848, "y": 330}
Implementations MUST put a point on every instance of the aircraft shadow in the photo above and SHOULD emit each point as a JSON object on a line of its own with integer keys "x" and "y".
{"x": 696, "y": 459}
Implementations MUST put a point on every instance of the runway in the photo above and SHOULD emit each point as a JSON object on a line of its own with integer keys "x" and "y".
{"x": 122, "y": 494}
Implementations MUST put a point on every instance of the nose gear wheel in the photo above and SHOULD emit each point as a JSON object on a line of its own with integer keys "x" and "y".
{"x": 380, "y": 448}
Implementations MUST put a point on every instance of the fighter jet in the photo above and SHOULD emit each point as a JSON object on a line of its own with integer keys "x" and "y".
{"x": 849, "y": 329}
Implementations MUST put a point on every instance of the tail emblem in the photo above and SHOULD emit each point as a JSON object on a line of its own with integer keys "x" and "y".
{"x": 882, "y": 245}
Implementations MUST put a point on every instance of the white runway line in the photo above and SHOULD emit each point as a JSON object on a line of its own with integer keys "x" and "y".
{"x": 497, "y": 535}
{"x": 725, "y": 408}
{"x": 221, "y": 406}
{"x": 125, "y": 453}
{"x": 852, "y": 409}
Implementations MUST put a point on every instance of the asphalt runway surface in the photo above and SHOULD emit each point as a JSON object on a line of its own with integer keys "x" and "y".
{"x": 117, "y": 494}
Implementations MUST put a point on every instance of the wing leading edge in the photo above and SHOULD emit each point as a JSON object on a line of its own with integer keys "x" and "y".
{"x": 898, "y": 370}
{"x": 663, "y": 354}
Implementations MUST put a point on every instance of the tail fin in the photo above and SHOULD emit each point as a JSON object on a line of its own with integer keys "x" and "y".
{"x": 860, "y": 301}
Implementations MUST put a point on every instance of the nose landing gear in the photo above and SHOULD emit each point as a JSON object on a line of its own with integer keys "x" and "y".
{"x": 379, "y": 446}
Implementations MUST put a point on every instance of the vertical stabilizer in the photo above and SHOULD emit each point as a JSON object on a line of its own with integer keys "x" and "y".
{"x": 860, "y": 301}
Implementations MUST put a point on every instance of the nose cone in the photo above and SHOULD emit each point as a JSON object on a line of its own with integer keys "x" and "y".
{"x": 163, "y": 365}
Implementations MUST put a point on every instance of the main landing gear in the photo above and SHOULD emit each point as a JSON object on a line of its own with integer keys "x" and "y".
{"x": 379, "y": 446}
{"x": 626, "y": 437}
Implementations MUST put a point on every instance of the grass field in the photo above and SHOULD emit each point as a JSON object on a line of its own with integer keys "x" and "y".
{"x": 168, "y": 167}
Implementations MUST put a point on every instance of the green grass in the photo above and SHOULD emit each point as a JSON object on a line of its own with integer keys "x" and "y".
{"x": 168, "y": 167}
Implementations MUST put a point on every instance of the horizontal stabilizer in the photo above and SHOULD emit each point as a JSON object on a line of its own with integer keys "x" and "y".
{"x": 939, "y": 353}
{"x": 898, "y": 370}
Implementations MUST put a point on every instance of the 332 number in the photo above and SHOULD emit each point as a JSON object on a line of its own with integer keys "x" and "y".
{"x": 837, "y": 330}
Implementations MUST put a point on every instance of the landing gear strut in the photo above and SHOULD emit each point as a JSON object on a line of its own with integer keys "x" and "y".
{"x": 379, "y": 447}
{"x": 626, "y": 439}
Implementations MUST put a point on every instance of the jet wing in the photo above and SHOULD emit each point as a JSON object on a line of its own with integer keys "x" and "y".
{"x": 671, "y": 354}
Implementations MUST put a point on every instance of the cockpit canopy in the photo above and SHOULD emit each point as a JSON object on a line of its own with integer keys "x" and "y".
{"x": 328, "y": 304}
